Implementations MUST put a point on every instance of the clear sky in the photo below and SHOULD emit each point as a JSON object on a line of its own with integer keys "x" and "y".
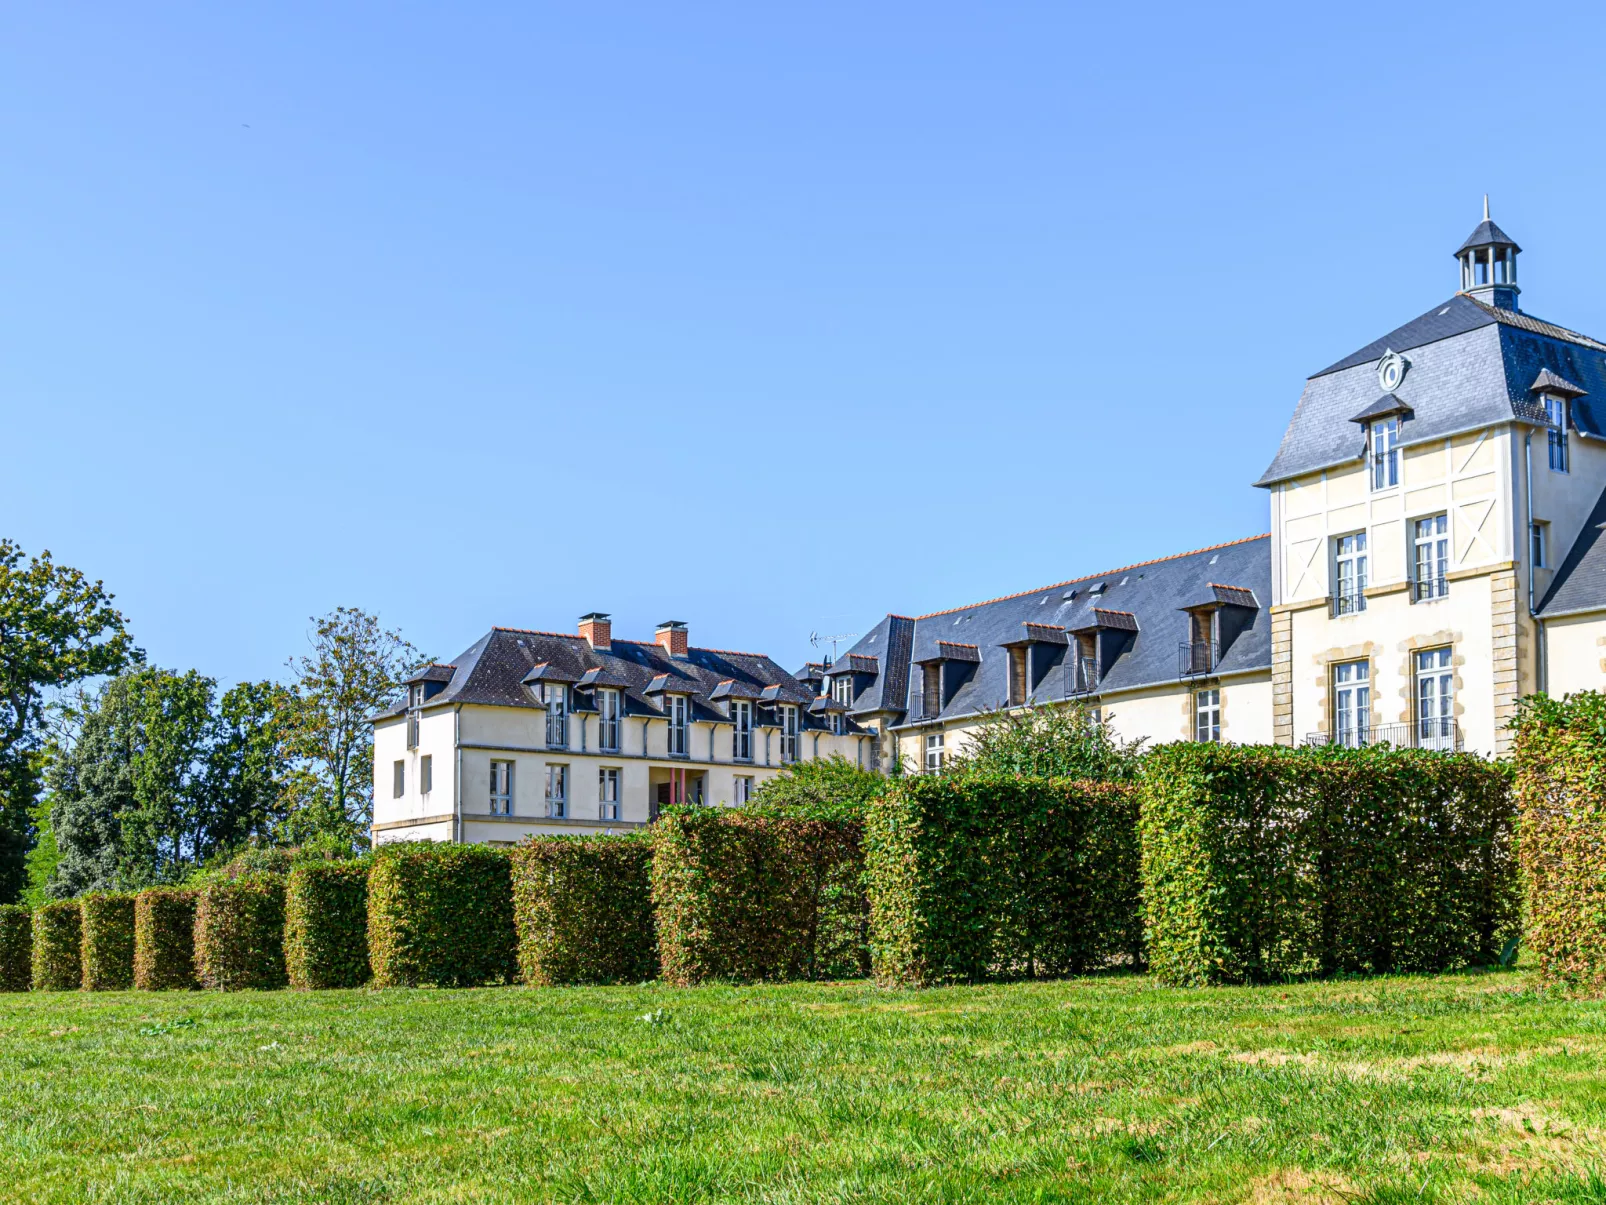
{"x": 769, "y": 318}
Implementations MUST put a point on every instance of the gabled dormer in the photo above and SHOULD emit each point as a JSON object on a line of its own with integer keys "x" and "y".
{"x": 1101, "y": 637}
{"x": 1035, "y": 650}
{"x": 1216, "y": 619}
{"x": 943, "y": 672}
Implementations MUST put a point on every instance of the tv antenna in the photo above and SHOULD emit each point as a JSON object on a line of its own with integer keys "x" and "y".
{"x": 817, "y": 640}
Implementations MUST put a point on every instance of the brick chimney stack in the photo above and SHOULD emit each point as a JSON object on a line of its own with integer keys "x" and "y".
{"x": 597, "y": 628}
{"x": 672, "y": 637}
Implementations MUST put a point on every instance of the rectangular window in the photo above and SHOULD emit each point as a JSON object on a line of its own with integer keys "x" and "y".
{"x": 1385, "y": 434}
{"x": 426, "y": 774}
{"x": 412, "y": 730}
{"x": 557, "y": 717}
{"x": 836, "y": 723}
{"x": 1352, "y": 704}
{"x": 398, "y": 779}
{"x": 675, "y": 709}
{"x": 842, "y": 689}
{"x": 1349, "y": 574}
{"x": 607, "y": 794}
{"x": 1556, "y": 410}
{"x": 744, "y": 789}
{"x": 931, "y": 692}
{"x": 1017, "y": 677}
{"x": 501, "y": 788}
{"x": 1207, "y": 715}
{"x": 1431, "y": 564}
{"x": 608, "y": 720}
{"x": 934, "y": 751}
{"x": 788, "y": 734}
{"x": 1537, "y": 531}
{"x": 742, "y": 730}
{"x": 1435, "y": 700}
{"x": 557, "y": 792}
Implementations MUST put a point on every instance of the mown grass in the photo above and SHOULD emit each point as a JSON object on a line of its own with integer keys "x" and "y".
{"x": 1109, "y": 1089}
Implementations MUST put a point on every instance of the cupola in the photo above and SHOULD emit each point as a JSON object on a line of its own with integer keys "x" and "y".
{"x": 1488, "y": 262}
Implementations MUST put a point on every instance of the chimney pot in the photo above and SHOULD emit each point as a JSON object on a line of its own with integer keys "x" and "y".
{"x": 672, "y": 637}
{"x": 597, "y": 628}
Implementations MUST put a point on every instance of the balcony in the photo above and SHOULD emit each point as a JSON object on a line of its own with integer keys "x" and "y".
{"x": 1084, "y": 675}
{"x": 1349, "y": 603}
{"x": 1426, "y": 589}
{"x": 1437, "y": 735}
{"x": 1197, "y": 658}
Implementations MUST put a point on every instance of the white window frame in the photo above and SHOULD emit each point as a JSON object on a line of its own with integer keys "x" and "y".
{"x": 836, "y": 723}
{"x": 789, "y": 750}
{"x": 1349, "y": 573}
{"x": 1556, "y": 410}
{"x": 675, "y": 710}
{"x": 1434, "y": 692}
{"x": 501, "y": 793}
{"x": 1352, "y": 703}
{"x": 1207, "y": 715}
{"x": 842, "y": 689}
{"x": 398, "y": 779}
{"x": 935, "y": 752}
{"x": 744, "y": 789}
{"x": 608, "y": 720}
{"x": 1430, "y": 548}
{"x": 607, "y": 793}
{"x": 1383, "y": 440}
{"x": 557, "y": 715}
{"x": 1539, "y": 543}
{"x": 557, "y": 791}
{"x": 741, "y": 730}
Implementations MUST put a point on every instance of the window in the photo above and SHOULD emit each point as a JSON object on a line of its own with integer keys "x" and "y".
{"x": 1435, "y": 700}
{"x": 608, "y": 720}
{"x": 1432, "y": 561}
{"x": 1207, "y": 715}
{"x": 398, "y": 779}
{"x": 931, "y": 693}
{"x": 788, "y": 734}
{"x": 557, "y": 717}
{"x": 1352, "y": 703}
{"x": 675, "y": 709}
{"x": 557, "y": 792}
{"x": 1537, "y": 530}
{"x": 842, "y": 689}
{"x": 742, "y": 733}
{"x": 1017, "y": 677}
{"x": 744, "y": 789}
{"x": 1385, "y": 435}
{"x": 934, "y": 752}
{"x": 607, "y": 794}
{"x": 1556, "y": 411}
{"x": 501, "y": 788}
{"x": 1349, "y": 574}
{"x": 415, "y": 701}
{"x": 836, "y": 723}
{"x": 426, "y": 774}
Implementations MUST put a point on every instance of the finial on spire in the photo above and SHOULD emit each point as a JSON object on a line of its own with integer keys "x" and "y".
{"x": 1486, "y": 207}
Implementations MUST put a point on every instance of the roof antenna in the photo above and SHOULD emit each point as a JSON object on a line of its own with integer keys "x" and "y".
{"x": 1486, "y": 207}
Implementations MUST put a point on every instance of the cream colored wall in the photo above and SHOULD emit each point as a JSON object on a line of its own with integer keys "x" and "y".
{"x": 1575, "y": 647}
{"x": 1563, "y": 500}
{"x": 390, "y": 746}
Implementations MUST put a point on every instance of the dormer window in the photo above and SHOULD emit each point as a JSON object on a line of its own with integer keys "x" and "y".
{"x": 1383, "y": 437}
{"x": 608, "y": 720}
{"x": 842, "y": 689}
{"x": 1556, "y": 413}
{"x": 557, "y": 715}
{"x": 931, "y": 688}
{"x": 788, "y": 717}
{"x": 742, "y": 734}
{"x": 675, "y": 709}
{"x": 415, "y": 700}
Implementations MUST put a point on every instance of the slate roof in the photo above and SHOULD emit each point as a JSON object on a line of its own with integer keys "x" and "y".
{"x": 1580, "y": 582}
{"x": 1151, "y": 593}
{"x": 1551, "y": 383}
{"x": 1486, "y": 233}
{"x": 432, "y": 672}
{"x": 1470, "y": 364}
{"x": 493, "y": 669}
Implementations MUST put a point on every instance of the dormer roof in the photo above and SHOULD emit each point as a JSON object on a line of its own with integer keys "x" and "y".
{"x": 1549, "y": 382}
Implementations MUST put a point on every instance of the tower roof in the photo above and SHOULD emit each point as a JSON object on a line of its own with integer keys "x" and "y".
{"x": 1487, "y": 234}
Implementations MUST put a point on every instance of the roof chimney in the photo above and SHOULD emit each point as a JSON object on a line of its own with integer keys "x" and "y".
{"x": 597, "y": 628}
{"x": 672, "y": 637}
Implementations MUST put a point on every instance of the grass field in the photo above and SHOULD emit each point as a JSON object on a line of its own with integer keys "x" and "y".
{"x": 1388, "y": 1090}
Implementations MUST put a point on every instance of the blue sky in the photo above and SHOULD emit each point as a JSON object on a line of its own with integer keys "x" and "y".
{"x": 772, "y": 320}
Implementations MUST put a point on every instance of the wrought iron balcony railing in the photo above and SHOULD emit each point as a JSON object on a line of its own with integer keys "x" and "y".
{"x": 1440, "y": 735}
{"x": 1196, "y": 658}
{"x": 1084, "y": 675}
{"x": 1424, "y": 589}
{"x": 1350, "y": 602}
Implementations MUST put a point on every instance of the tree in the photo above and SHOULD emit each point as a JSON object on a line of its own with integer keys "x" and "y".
{"x": 355, "y": 669}
{"x": 57, "y": 628}
{"x": 829, "y": 788}
{"x": 1062, "y": 741}
{"x": 249, "y": 765}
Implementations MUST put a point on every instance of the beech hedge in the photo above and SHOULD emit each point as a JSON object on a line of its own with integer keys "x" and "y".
{"x": 108, "y": 941}
{"x": 1261, "y": 863}
{"x": 58, "y": 964}
{"x": 979, "y": 876}
{"x": 164, "y": 939}
{"x": 583, "y": 910}
{"x": 756, "y": 894}
{"x": 441, "y": 915}
{"x": 1561, "y": 806}
{"x": 239, "y": 933}
{"x": 16, "y": 948}
{"x": 326, "y": 925}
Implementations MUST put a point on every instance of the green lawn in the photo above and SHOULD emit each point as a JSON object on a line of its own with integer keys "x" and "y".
{"x": 1408, "y": 1089}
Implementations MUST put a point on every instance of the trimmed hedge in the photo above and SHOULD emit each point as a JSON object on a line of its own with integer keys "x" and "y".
{"x": 583, "y": 910}
{"x": 990, "y": 876}
{"x": 239, "y": 933}
{"x": 164, "y": 939}
{"x": 754, "y": 894}
{"x": 326, "y": 925}
{"x": 57, "y": 955}
{"x": 1261, "y": 862}
{"x": 108, "y": 941}
{"x": 441, "y": 915}
{"x": 1561, "y": 805}
{"x": 16, "y": 948}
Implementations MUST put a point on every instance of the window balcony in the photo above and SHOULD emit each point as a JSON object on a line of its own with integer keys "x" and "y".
{"x": 1438, "y": 735}
{"x": 1197, "y": 658}
{"x": 1084, "y": 675}
{"x": 1351, "y": 602}
{"x": 1426, "y": 589}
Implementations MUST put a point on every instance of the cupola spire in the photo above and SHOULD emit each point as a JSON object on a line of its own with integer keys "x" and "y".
{"x": 1488, "y": 262}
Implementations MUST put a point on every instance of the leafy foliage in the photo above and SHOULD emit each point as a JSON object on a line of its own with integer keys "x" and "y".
{"x": 1047, "y": 742}
{"x": 108, "y": 941}
{"x": 57, "y": 947}
{"x": 583, "y": 910}
{"x": 979, "y": 876}
{"x": 239, "y": 933}
{"x": 753, "y": 894}
{"x": 16, "y": 948}
{"x": 57, "y": 628}
{"x": 1262, "y": 862}
{"x": 830, "y": 788}
{"x": 164, "y": 939}
{"x": 441, "y": 915}
{"x": 326, "y": 924}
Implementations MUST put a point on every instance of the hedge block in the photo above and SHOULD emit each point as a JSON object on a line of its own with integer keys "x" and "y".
{"x": 108, "y": 941}
{"x": 441, "y": 915}
{"x": 989, "y": 876}
{"x": 58, "y": 964}
{"x": 755, "y": 894}
{"x": 16, "y": 948}
{"x": 164, "y": 939}
{"x": 239, "y": 933}
{"x": 326, "y": 925}
{"x": 583, "y": 910}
